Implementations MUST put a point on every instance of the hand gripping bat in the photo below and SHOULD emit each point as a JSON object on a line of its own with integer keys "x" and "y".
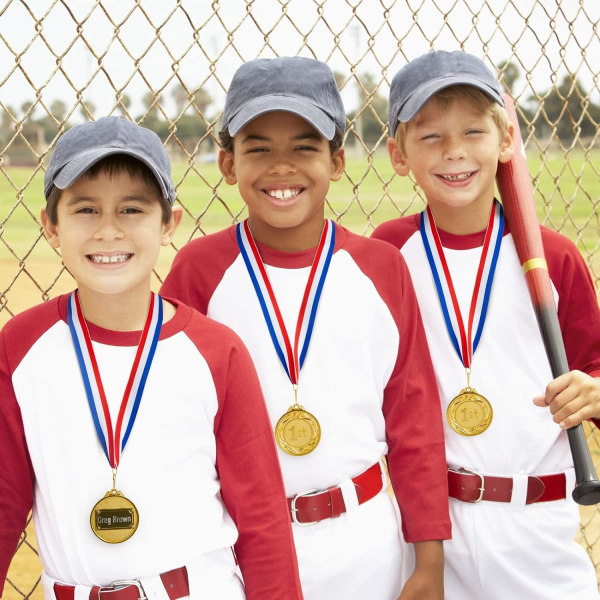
{"x": 514, "y": 185}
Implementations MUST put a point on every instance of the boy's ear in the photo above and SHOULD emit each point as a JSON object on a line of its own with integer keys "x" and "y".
{"x": 507, "y": 145}
{"x": 397, "y": 158}
{"x": 170, "y": 227}
{"x": 50, "y": 230}
{"x": 227, "y": 166}
{"x": 338, "y": 164}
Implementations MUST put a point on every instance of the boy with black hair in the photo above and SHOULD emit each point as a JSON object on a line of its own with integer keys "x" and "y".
{"x": 510, "y": 471}
{"x": 332, "y": 324}
{"x": 134, "y": 426}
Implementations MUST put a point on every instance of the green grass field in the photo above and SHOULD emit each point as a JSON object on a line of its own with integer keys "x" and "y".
{"x": 567, "y": 192}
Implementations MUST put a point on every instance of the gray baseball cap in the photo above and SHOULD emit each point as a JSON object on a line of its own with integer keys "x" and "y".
{"x": 84, "y": 145}
{"x": 303, "y": 86}
{"x": 421, "y": 78}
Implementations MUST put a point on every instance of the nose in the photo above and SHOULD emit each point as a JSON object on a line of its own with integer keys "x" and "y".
{"x": 282, "y": 164}
{"x": 454, "y": 149}
{"x": 108, "y": 228}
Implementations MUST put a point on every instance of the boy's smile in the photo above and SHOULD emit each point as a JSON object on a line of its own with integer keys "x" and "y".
{"x": 109, "y": 258}
{"x": 283, "y": 168}
{"x": 285, "y": 196}
{"x": 453, "y": 153}
{"x": 109, "y": 230}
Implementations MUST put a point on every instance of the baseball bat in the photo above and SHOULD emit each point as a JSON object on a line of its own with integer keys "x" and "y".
{"x": 515, "y": 190}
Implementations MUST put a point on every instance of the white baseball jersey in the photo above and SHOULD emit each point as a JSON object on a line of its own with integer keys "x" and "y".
{"x": 503, "y": 550}
{"x": 197, "y": 464}
{"x": 367, "y": 378}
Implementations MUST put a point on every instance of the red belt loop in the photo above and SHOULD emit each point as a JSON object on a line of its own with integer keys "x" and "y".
{"x": 176, "y": 585}
{"x": 470, "y": 486}
{"x": 312, "y": 506}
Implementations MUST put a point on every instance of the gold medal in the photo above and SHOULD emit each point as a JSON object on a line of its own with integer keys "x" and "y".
{"x": 469, "y": 413}
{"x": 114, "y": 518}
{"x": 297, "y": 432}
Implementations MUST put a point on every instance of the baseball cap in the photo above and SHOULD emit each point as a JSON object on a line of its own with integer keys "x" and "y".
{"x": 303, "y": 86}
{"x": 426, "y": 75}
{"x": 84, "y": 145}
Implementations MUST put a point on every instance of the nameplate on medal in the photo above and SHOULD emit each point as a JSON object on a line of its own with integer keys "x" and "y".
{"x": 114, "y": 518}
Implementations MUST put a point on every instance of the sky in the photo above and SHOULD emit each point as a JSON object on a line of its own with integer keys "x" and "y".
{"x": 203, "y": 42}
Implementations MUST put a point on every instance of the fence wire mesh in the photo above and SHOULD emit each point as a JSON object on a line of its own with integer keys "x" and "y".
{"x": 166, "y": 64}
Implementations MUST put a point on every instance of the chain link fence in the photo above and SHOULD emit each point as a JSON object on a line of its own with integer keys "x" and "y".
{"x": 166, "y": 64}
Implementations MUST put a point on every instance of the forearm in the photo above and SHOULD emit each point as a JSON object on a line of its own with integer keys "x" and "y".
{"x": 427, "y": 580}
{"x": 429, "y": 556}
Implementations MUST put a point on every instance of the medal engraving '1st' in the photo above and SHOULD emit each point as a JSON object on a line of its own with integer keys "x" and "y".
{"x": 469, "y": 413}
{"x": 114, "y": 518}
{"x": 297, "y": 432}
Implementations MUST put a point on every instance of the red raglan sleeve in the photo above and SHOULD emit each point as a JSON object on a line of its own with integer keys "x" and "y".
{"x": 411, "y": 405}
{"x": 251, "y": 481}
{"x": 578, "y": 311}
{"x": 416, "y": 456}
{"x": 16, "y": 472}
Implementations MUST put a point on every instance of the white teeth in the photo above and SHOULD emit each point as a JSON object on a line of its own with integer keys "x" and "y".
{"x": 102, "y": 258}
{"x": 283, "y": 194}
{"x": 460, "y": 177}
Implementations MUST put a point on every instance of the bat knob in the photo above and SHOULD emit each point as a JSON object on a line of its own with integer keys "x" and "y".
{"x": 587, "y": 493}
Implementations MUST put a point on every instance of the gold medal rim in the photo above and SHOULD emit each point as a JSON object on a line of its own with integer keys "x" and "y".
{"x": 130, "y": 532}
{"x": 303, "y": 415}
{"x": 482, "y": 401}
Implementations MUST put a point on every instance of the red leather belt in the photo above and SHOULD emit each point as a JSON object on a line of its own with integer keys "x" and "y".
{"x": 175, "y": 582}
{"x": 470, "y": 486}
{"x": 314, "y": 505}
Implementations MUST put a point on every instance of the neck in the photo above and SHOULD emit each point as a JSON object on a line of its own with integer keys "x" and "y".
{"x": 288, "y": 239}
{"x": 115, "y": 312}
{"x": 462, "y": 221}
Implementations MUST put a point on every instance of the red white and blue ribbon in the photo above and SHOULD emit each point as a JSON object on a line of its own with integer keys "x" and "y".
{"x": 463, "y": 340}
{"x": 113, "y": 442}
{"x": 291, "y": 357}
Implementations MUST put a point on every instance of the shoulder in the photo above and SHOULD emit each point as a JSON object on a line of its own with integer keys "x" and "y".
{"x": 221, "y": 242}
{"x": 199, "y": 266}
{"x": 211, "y": 338}
{"x": 397, "y": 231}
{"x": 363, "y": 248}
{"x": 555, "y": 242}
{"x": 378, "y": 260}
{"x": 562, "y": 255}
{"x": 25, "y": 329}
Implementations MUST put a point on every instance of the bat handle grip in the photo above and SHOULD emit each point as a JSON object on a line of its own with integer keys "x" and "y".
{"x": 587, "y": 490}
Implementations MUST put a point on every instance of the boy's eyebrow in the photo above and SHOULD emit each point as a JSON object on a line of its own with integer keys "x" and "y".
{"x": 74, "y": 200}
{"x": 255, "y": 137}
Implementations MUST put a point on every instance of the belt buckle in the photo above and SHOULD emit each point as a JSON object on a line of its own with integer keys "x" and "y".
{"x": 481, "y": 481}
{"x": 294, "y": 510}
{"x": 117, "y": 585}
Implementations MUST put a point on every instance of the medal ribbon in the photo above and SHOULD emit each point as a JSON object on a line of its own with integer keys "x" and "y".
{"x": 113, "y": 443}
{"x": 289, "y": 356}
{"x": 481, "y": 289}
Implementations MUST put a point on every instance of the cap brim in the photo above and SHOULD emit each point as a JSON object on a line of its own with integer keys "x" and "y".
{"x": 320, "y": 120}
{"x": 423, "y": 93}
{"x": 84, "y": 160}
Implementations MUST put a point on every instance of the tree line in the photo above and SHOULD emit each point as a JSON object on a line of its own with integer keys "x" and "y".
{"x": 563, "y": 112}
